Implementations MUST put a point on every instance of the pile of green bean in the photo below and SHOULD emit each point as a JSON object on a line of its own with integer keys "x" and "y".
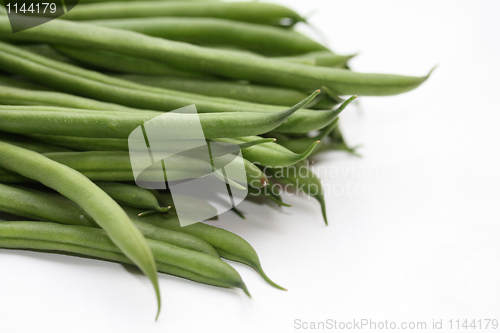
{"x": 72, "y": 90}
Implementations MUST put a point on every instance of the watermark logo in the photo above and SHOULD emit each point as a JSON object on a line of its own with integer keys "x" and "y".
{"x": 26, "y": 14}
{"x": 170, "y": 152}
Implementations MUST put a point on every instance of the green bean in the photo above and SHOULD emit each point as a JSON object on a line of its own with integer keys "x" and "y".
{"x": 299, "y": 144}
{"x": 99, "y": 86}
{"x": 230, "y": 89}
{"x": 116, "y": 166}
{"x": 65, "y": 248}
{"x": 255, "y": 12}
{"x": 106, "y": 144}
{"x": 217, "y": 62}
{"x": 37, "y": 205}
{"x": 117, "y": 62}
{"x": 93, "y": 200}
{"x": 112, "y": 61}
{"x": 322, "y": 58}
{"x": 227, "y": 244}
{"x": 31, "y": 144}
{"x": 267, "y": 40}
{"x": 133, "y": 196}
{"x": 46, "y": 206}
{"x": 307, "y": 183}
{"x": 109, "y": 124}
{"x": 200, "y": 264}
{"x": 16, "y": 96}
{"x": 272, "y": 154}
{"x": 48, "y": 51}
{"x": 79, "y": 143}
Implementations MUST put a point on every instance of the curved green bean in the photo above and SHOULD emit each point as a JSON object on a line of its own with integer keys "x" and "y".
{"x": 104, "y": 210}
{"x": 46, "y": 206}
{"x": 272, "y": 154}
{"x": 133, "y": 196}
{"x": 19, "y": 243}
{"x": 307, "y": 183}
{"x": 117, "y": 62}
{"x": 236, "y": 90}
{"x": 227, "y": 244}
{"x": 267, "y": 40}
{"x": 198, "y": 263}
{"x": 255, "y": 12}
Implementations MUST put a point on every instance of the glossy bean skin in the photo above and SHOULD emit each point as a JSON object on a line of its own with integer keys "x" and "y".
{"x": 102, "y": 87}
{"x": 45, "y": 206}
{"x": 93, "y": 238}
{"x": 219, "y": 62}
{"x": 235, "y": 90}
{"x": 300, "y": 177}
{"x": 133, "y": 196}
{"x": 227, "y": 244}
{"x": 266, "y": 40}
{"x": 76, "y": 187}
{"x": 255, "y": 12}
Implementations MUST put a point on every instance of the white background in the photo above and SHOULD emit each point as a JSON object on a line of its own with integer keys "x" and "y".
{"x": 419, "y": 241}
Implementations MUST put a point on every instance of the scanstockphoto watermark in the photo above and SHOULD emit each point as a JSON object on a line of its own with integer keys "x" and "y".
{"x": 471, "y": 324}
{"x": 340, "y": 180}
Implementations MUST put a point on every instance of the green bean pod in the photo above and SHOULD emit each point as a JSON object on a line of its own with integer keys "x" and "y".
{"x": 200, "y": 264}
{"x": 216, "y": 62}
{"x": 65, "y": 248}
{"x": 107, "y": 144}
{"x": 109, "y": 124}
{"x": 254, "y": 12}
{"x": 300, "y": 177}
{"x": 266, "y": 40}
{"x": 104, "y": 210}
{"x": 133, "y": 196}
{"x": 236, "y": 90}
{"x": 227, "y": 244}
{"x": 322, "y": 58}
{"x": 272, "y": 154}
{"x": 46, "y": 206}
{"x": 16, "y": 96}
{"x": 121, "y": 63}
